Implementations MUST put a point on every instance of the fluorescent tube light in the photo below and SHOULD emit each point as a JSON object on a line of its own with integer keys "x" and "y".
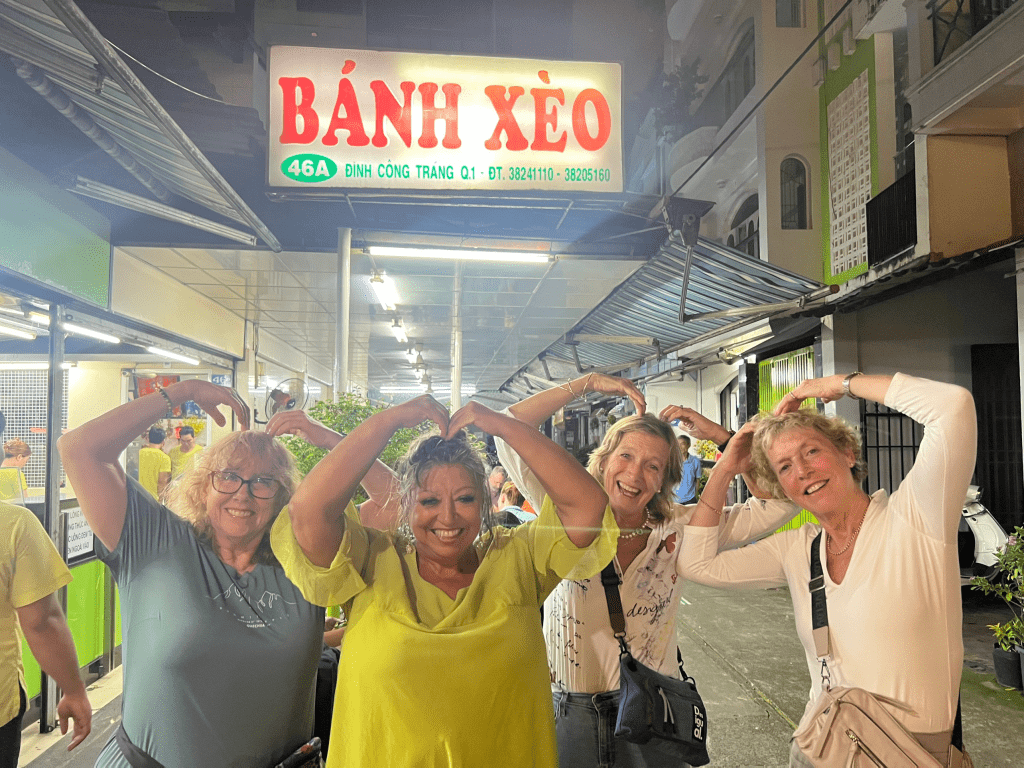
{"x": 387, "y": 293}
{"x": 39, "y": 317}
{"x": 31, "y": 365}
{"x": 466, "y": 254}
{"x": 398, "y": 331}
{"x": 172, "y": 355}
{"x": 17, "y": 333}
{"x": 83, "y": 331}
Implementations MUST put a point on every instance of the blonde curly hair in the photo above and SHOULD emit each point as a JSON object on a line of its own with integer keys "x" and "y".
{"x": 186, "y": 496}
{"x": 843, "y": 435}
{"x": 660, "y": 505}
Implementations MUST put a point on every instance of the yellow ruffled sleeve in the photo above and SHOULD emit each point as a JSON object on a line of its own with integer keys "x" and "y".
{"x": 553, "y": 552}
{"x": 341, "y": 580}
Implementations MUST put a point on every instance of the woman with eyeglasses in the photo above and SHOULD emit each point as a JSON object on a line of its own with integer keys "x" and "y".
{"x": 220, "y": 648}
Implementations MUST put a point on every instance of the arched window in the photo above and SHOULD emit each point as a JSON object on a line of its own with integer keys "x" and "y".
{"x": 743, "y": 231}
{"x": 794, "y": 194}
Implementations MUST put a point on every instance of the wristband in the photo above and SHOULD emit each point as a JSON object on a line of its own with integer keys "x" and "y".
{"x": 725, "y": 445}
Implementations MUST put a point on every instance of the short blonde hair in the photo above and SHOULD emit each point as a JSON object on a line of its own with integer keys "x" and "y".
{"x": 186, "y": 496}
{"x": 661, "y": 505}
{"x": 16, "y": 448}
{"x": 844, "y": 436}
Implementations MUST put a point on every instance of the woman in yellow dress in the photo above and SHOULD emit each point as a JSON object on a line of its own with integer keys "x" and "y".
{"x": 444, "y": 660}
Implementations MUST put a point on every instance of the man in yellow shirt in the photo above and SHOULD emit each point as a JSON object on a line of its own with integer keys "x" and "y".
{"x": 31, "y": 571}
{"x": 154, "y": 464}
{"x": 185, "y": 452}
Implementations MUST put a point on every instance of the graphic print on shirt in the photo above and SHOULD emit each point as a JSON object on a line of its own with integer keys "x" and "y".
{"x": 646, "y": 633}
{"x": 564, "y": 631}
{"x": 255, "y": 614}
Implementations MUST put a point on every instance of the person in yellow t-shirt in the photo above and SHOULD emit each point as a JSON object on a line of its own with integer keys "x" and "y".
{"x": 154, "y": 464}
{"x": 12, "y": 479}
{"x": 31, "y": 571}
{"x": 445, "y": 610}
{"x": 184, "y": 452}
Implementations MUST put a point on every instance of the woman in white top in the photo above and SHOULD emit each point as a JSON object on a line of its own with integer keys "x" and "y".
{"x": 638, "y": 463}
{"x": 892, "y": 579}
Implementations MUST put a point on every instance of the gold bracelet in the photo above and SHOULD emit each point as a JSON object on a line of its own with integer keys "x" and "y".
{"x": 569, "y": 385}
{"x": 701, "y": 501}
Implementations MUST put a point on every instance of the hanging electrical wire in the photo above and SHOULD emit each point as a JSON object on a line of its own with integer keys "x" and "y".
{"x": 760, "y": 101}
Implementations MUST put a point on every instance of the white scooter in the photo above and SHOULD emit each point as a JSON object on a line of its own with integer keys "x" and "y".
{"x": 979, "y": 538}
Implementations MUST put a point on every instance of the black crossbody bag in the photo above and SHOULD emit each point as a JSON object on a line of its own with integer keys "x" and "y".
{"x": 653, "y": 705}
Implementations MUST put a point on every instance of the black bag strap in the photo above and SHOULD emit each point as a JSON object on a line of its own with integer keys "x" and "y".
{"x": 135, "y": 756}
{"x": 610, "y": 581}
{"x": 819, "y": 608}
{"x": 819, "y": 626}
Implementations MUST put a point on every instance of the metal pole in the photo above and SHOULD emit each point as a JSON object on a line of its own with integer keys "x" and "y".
{"x": 53, "y": 519}
{"x": 341, "y": 320}
{"x": 457, "y": 339}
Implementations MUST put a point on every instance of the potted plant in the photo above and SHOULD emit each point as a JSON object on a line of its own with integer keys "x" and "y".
{"x": 1007, "y": 582}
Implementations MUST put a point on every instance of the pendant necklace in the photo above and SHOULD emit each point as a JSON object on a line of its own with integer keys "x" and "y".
{"x": 632, "y": 533}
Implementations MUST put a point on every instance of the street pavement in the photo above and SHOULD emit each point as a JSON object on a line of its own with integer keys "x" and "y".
{"x": 742, "y": 649}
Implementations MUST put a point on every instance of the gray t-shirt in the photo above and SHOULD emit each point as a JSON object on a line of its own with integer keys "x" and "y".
{"x": 219, "y": 669}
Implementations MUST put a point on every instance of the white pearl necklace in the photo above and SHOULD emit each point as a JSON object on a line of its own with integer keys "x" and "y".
{"x": 632, "y": 533}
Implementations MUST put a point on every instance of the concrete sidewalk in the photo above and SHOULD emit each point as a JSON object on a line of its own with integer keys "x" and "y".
{"x": 742, "y": 649}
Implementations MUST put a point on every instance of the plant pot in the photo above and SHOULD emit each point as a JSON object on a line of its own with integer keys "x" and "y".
{"x": 1009, "y": 668}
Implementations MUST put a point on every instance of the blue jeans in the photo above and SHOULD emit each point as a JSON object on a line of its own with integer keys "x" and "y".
{"x": 585, "y": 726}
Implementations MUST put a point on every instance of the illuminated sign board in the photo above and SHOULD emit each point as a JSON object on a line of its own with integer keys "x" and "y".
{"x": 413, "y": 121}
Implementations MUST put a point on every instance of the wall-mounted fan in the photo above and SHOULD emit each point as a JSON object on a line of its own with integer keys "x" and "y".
{"x": 289, "y": 395}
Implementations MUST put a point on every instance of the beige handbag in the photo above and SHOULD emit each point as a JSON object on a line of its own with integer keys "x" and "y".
{"x": 849, "y": 727}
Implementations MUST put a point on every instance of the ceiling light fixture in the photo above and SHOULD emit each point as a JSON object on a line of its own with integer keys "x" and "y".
{"x": 466, "y": 255}
{"x": 39, "y": 317}
{"x": 172, "y": 355}
{"x": 31, "y": 365}
{"x": 398, "y": 331}
{"x": 387, "y": 292}
{"x": 83, "y": 331}
{"x": 18, "y": 333}
{"x": 115, "y": 196}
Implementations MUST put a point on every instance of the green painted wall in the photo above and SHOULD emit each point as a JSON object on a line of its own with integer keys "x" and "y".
{"x": 85, "y": 618}
{"x": 863, "y": 58}
{"x": 50, "y": 236}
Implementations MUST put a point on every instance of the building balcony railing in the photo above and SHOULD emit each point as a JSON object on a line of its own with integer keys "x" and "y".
{"x": 892, "y": 220}
{"x": 954, "y": 22}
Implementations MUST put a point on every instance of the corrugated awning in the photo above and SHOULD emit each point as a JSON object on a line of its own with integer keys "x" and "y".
{"x": 66, "y": 54}
{"x": 640, "y": 319}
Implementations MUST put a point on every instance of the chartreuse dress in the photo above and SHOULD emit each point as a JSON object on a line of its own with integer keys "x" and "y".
{"x": 432, "y": 682}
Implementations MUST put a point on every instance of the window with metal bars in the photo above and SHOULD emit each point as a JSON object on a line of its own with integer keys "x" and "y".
{"x": 890, "y": 442}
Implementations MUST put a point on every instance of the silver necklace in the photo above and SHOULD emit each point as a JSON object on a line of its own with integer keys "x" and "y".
{"x": 632, "y": 533}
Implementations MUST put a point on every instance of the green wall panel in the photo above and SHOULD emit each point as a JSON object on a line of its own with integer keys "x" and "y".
{"x": 85, "y": 619}
{"x": 850, "y": 67}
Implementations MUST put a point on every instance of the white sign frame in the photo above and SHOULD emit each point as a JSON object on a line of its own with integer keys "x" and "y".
{"x": 354, "y": 119}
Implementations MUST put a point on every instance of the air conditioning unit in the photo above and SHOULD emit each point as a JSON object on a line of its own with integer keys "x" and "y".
{"x": 818, "y": 72}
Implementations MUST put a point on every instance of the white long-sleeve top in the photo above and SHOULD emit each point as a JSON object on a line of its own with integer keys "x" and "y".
{"x": 895, "y": 621}
{"x": 583, "y": 654}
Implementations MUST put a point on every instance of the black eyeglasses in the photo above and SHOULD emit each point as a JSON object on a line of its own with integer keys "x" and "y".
{"x": 259, "y": 487}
